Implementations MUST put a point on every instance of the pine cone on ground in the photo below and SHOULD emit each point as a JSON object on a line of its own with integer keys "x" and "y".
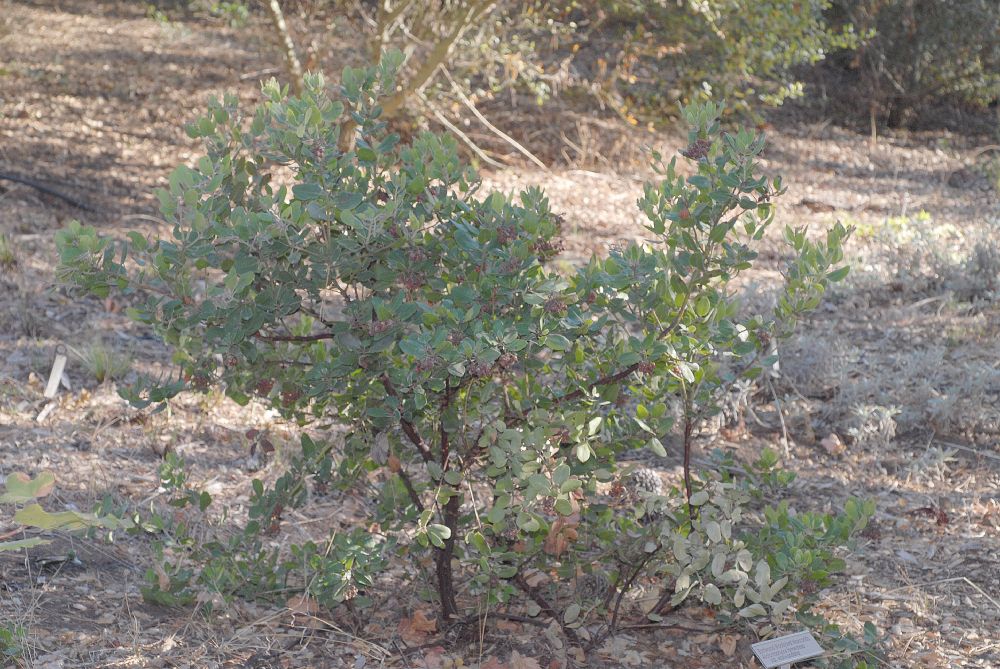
{"x": 642, "y": 484}
{"x": 644, "y": 480}
{"x": 593, "y": 587}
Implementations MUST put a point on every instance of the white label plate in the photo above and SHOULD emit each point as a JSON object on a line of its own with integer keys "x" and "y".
{"x": 786, "y": 649}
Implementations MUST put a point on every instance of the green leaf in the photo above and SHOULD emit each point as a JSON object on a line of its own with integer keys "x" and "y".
{"x": 347, "y": 201}
{"x": 642, "y": 424}
{"x": 570, "y": 486}
{"x": 702, "y": 306}
{"x": 21, "y": 487}
{"x": 479, "y": 541}
{"x": 516, "y": 345}
{"x": 714, "y": 531}
{"x": 442, "y": 531}
{"x": 699, "y": 498}
{"x": 838, "y": 274}
{"x": 307, "y": 191}
{"x": 413, "y": 347}
{"x": 656, "y": 446}
{"x": 35, "y": 516}
{"x": 22, "y": 543}
{"x": 594, "y": 425}
{"x": 752, "y": 611}
{"x": 556, "y": 342}
{"x": 527, "y": 523}
{"x": 572, "y": 613}
{"x": 139, "y": 242}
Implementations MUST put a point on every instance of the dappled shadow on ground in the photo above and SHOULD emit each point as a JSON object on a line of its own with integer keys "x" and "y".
{"x": 99, "y": 112}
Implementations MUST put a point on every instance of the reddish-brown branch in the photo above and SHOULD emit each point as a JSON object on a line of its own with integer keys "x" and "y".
{"x": 626, "y": 586}
{"x": 410, "y": 490}
{"x": 300, "y": 338}
{"x": 603, "y": 381}
{"x": 408, "y": 428}
{"x": 411, "y": 433}
{"x": 546, "y": 608}
{"x": 445, "y": 443}
{"x": 688, "y": 431}
{"x": 445, "y": 574}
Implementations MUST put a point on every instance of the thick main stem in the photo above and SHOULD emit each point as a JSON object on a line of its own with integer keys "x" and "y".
{"x": 438, "y": 54}
{"x": 612, "y": 628}
{"x": 445, "y": 574}
{"x": 688, "y": 431}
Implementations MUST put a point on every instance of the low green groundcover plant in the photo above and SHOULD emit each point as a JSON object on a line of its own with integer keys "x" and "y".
{"x": 487, "y": 396}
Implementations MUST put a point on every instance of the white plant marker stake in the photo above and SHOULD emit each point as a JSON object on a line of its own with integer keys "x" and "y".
{"x": 56, "y": 375}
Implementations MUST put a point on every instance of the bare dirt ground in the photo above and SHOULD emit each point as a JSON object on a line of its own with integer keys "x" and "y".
{"x": 92, "y": 101}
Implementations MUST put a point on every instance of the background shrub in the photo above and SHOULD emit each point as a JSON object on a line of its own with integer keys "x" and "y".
{"x": 921, "y": 53}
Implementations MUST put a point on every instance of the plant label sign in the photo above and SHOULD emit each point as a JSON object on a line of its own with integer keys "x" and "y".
{"x": 56, "y": 375}
{"x": 785, "y": 650}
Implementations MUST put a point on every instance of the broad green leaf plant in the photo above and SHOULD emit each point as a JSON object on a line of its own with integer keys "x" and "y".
{"x": 485, "y": 392}
{"x": 23, "y": 491}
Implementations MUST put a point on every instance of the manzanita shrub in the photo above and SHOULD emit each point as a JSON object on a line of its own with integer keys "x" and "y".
{"x": 487, "y": 395}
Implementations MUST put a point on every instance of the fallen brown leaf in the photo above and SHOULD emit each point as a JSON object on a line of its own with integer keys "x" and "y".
{"x": 435, "y": 659}
{"x": 492, "y": 663}
{"x": 562, "y": 534}
{"x": 417, "y": 628}
{"x": 306, "y": 607}
{"x": 508, "y": 625}
{"x": 518, "y": 661}
{"x": 833, "y": 445}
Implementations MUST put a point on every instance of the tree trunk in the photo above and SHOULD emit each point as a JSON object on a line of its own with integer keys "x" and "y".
{"x": 292, "y": 63}
{"x": 438, "y": 55}
{"x": 445, "y": 574}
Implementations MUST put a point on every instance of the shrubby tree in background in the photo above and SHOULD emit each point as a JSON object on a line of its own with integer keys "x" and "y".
{"x": 643, "y": 59}
{"x": 921, "y": 52}
{"x": 662, "y": 53}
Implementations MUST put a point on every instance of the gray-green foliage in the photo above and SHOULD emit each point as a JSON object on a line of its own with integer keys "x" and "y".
{"x": 651, "y": 56}
{"x": 381, "y": 289}
{"x": 742, "y": 51}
